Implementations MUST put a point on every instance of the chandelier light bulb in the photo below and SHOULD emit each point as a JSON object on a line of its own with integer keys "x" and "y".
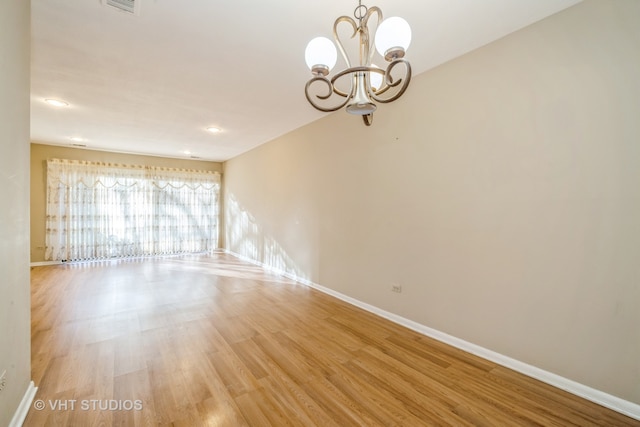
{"x": 321, "y": 54}
{"x": 375, "y": 78}
{"x": 393, "y": 37}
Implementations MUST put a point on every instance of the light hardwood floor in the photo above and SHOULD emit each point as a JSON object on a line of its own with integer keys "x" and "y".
{"x": 210, "y": 340}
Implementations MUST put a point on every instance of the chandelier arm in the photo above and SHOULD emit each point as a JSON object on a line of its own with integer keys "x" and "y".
{"x": 387, "y": 84}
{"x": 331, "y": 91}
{"x": 354, "y": 70}
{"x": 337, "y": 38}
{"x": 380, "y": 91}
{"x": 371, "y": 40}
{"x": 339, "y": 92}
{"x": 350, "y": 70}
{"x": 347, "y": 71}
{"x": 404, "y": 82}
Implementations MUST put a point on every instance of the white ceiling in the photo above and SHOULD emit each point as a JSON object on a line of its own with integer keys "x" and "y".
{"x": 152, "y": 83}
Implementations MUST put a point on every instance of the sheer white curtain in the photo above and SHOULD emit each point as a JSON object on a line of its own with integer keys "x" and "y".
{"x": 103, "y": 210}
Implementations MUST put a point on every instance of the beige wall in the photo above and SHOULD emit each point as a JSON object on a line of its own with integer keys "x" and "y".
{"x": 15, "y": 313}
{"x": 502, "y": 192}
{"x": 39, "y": 155}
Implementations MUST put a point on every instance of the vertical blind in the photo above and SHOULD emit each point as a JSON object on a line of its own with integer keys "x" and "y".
{"x": 105, "y": 210}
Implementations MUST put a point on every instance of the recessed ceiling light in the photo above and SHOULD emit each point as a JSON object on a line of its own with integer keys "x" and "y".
{"x": 187, "y": 152}
{"x": 56, "y": 102}
{"x": 214, "y": 129}
{"x": 77, "y": 139}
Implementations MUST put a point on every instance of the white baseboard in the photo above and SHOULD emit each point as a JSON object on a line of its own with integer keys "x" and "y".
{"x": 43, "y": 263}
{"x": 25, "y": 404}
{"x": 617, "y": 404}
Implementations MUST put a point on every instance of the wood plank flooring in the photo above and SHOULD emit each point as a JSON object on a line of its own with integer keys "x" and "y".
{"x": 212, "y": 341}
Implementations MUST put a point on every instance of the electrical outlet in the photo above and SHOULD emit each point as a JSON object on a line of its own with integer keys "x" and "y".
{"x": 396, "y": 287}
{"x": 3, "y": 381}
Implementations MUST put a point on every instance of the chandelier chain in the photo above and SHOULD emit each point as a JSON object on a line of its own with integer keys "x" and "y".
{"x": 360, "y": 12}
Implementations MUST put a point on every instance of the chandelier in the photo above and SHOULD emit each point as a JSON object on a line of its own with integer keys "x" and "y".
{"x": 365, "y": 82}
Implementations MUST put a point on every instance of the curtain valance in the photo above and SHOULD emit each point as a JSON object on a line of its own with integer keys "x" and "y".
{"x": 91, "y": 174}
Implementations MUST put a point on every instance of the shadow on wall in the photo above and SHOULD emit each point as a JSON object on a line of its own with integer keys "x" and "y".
{"x": 245, "y": 237}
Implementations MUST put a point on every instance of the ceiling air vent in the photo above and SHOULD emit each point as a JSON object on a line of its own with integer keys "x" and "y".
{"x": 129, "y": 6}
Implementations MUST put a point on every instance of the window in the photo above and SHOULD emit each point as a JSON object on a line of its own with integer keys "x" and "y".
{"x": 102, "y": 210}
